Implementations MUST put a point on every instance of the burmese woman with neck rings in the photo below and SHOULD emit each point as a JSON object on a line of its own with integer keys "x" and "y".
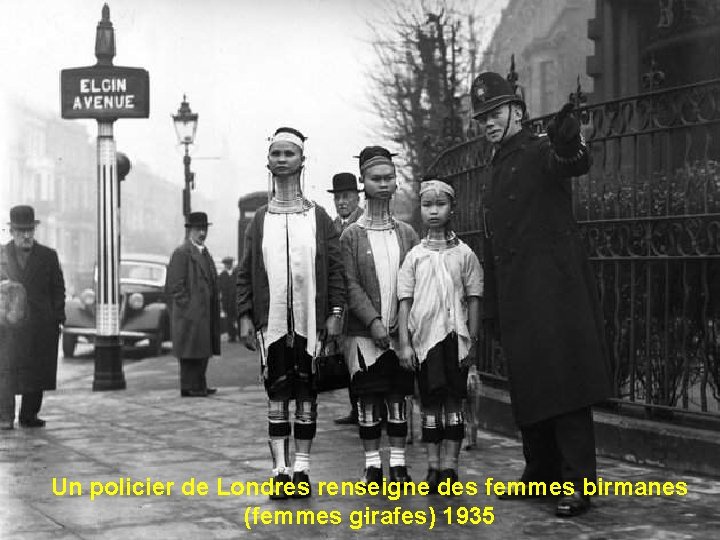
{"x": 373, "y": 249}
{"x": 290, "y": 296}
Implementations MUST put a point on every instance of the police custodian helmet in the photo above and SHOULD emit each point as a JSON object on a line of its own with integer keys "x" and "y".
{"x": 489, "y": 91}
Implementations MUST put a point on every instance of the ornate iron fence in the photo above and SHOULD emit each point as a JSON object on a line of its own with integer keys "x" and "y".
{"x": 649, "y": 211}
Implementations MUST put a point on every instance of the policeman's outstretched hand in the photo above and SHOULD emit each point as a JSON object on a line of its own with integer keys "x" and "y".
{"x": 564, "y": 129}
{"x": 247, "y": 332}
{"x": 379, "y": 334}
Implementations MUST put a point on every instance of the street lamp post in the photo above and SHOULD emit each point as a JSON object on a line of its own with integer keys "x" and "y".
{"x": 185, "y": 122}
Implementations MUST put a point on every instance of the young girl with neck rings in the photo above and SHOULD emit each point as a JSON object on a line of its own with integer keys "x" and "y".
{"x": 439, "y": 288}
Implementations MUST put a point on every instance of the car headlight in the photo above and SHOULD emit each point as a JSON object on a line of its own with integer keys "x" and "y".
{"x": 87, "y": 297}
{"x": 136, "y": 300}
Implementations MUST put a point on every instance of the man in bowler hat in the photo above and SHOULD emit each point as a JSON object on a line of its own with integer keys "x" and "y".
{"x": 347, "y": 199}
{"x": 226, "y": 284}
{"x": 540, "y": 293}
{"x": 31, "y": 363}
{"x": 191, "y": 285}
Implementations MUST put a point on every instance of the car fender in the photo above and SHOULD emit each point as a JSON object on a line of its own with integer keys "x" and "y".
{"x": 151, "y": 319}
{"x": 76, "y": 316}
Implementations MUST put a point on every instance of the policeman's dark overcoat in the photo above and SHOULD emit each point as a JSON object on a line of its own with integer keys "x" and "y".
{"x": 33, "y": 348}
{"x": 538, "y": 282}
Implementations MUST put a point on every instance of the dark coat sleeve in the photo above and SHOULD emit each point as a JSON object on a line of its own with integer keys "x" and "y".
{"x": 336, "y": 278}
{"x": 176, "y": 282}
{"x": 358, "y": 300}
{"x": 490, "y": 300}
{"x": 243, "y": 283}
{"x": 57, "y": 288}
{"x": 562, "y": 167}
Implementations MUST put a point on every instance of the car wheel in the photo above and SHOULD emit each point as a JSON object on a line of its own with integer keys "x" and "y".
{"x": 68, "y": 345}
{"x": 156, "y": 345}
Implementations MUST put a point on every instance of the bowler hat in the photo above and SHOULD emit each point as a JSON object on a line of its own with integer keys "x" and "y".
{"x": 344, "y": 181}
{"x": 227, "y": 259}
{"x": 196, "y": 219}
{"x": 22, "y": 217}
{"x": 491, "y": 90}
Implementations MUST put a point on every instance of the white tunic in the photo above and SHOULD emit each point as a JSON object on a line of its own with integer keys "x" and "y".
{"x": 439, "y": 283}
{"x": 300, "y": 229}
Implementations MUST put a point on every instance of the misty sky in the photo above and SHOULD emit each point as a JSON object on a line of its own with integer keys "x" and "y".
{"x": 247, "y": 67}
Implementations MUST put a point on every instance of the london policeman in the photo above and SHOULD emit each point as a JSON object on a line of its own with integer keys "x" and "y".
{"x": 540, "y": 294}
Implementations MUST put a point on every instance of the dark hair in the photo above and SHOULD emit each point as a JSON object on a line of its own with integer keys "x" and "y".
{"x": 291, "y": 130}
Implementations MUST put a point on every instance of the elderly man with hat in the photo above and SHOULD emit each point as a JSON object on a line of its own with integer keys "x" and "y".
{"x": 32, "y": 360}
{"x": 191, "y": 285}
{"x": 226, "y": 284}
{"x": 540, "y": 293}
{"x": 347, "y": 199}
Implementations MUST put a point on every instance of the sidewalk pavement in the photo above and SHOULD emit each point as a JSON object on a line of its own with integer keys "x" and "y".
{"x": 136, "y": 433}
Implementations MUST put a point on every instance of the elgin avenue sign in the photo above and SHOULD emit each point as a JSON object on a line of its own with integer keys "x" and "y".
{"x": 104, "y": 92}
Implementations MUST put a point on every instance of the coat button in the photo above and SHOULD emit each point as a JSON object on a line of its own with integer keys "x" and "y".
{"x": 496, "y": 258}
{"x": 511, "y": 197}
{"x": 509, "y": 224}
{"x": 513, "y": 169}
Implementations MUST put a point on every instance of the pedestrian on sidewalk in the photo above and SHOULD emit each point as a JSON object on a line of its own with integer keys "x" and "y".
{"x": 439, "y": 289}
{"x": 373, "y": 248}
{"x": 32, "y": 349}
{"x": 226, "y": 284}
{"x": 540, "y": 294}
{"x": 346, "y": 196}
{"x": 191, "y": 286}
{"x": 290, "y": 289}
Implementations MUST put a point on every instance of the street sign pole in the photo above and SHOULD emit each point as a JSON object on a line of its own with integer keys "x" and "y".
{"x": 105, "y": 92}
{"x": 108, "y": 349}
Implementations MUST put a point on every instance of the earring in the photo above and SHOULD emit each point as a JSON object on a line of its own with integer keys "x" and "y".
{"x": 269, "y": 186}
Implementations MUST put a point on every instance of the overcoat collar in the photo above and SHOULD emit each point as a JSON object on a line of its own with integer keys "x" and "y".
{"x": 31, "y": 266}
{"x": 512, "y": 145}
{"x": 197, "y": 257}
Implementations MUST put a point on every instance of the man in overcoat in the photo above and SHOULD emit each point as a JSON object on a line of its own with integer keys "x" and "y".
{"x": 191, "y": 285}
{"x": 346, "y": 196}
{"x": 226, "y": 285}
{"x": 33, "y": 345}
{"x": 540, "y": 294}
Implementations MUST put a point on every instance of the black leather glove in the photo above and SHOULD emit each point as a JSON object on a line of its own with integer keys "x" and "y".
{"x": 564, "y": 131}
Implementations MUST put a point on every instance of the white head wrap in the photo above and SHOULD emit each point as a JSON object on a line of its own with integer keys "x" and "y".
{"x": 289, "y": 137}
{"x": 438, "y": 186}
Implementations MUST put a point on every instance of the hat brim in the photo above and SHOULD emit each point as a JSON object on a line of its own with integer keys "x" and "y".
{"x": 191, "y": 225}
{"x": 23, "y": 225}
{"x": 496, "y": 102}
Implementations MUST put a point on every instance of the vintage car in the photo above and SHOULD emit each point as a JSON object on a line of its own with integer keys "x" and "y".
{"x": 143, "y": 310}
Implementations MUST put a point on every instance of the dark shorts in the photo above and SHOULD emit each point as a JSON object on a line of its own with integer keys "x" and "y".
{"x": 384, "y": 377}
{"x": 441, "y": 376}
{"x": 289, "y": 373}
